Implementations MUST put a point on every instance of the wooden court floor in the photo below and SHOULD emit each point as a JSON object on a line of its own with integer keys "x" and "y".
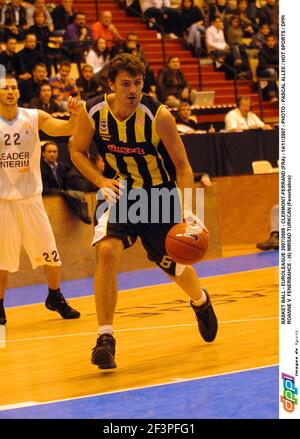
{"x": 47, "y": 358}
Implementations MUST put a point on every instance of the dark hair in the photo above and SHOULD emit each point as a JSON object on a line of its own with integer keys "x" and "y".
{"x": 9, "y": 76}
{"x": 172, "y": 57}
{"x": 44, "y": 146}
{"x": 95, "y": 48}
{"x": 184, "y": 102}
{"x": 79, "y": 13}
{"x": 40, "y": 64}
{"x": 246, "y": 98}
{"x": 42, "y": 84}
{"x": 65, "y": 64}
{"x": 129, "y": 63}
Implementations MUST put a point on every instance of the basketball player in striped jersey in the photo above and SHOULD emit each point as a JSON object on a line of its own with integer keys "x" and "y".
{"x": 138, "y": 141}
{"x": 23, "y": 219}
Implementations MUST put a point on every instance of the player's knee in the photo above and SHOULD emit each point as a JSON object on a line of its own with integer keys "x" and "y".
{"x": 109, "y": 252}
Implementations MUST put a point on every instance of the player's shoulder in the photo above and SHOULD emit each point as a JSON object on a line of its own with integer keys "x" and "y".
{"x": 28, "y": 113}
{"x": 94, "y": 104}
{"x": 152, "y": 104}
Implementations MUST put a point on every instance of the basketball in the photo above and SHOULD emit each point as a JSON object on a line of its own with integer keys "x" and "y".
{"x": 185, "y": 246}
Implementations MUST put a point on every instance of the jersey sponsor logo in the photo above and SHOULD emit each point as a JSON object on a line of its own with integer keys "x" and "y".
{"x": 103, "y": 124}
{"x": 103, "y": 129}
{"x": 125, "y": 150}
{"x": 14, "y": 160}
{"x": 139, "y": 121}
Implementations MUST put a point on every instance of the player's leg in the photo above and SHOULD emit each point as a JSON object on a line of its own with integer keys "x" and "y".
{"x": 109, "y": 251}
{"x": 111, "y": 238}
{"x": 10, "y": 246}
{"x": 3, "y": 281}
{"x": 55, "y": 300}
{"x": 39, "y": 243}
{"x": 200, "y": 302}
{"x": 153, "y": 239}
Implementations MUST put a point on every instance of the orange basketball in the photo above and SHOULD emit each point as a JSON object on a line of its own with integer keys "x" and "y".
{"x": 185, "y": 247}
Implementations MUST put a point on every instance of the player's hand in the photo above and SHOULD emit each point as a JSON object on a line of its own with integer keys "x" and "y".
{"x": 111, "y": 190}
{"x": 195, "y": 225}
{"x": 74, "y": 105}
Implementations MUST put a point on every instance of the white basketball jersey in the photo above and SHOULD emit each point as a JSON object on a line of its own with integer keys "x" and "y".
{"x": 20, "y": 152}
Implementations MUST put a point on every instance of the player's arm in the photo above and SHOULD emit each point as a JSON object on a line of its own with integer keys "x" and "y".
{"x": 167, "y": 131}
{"x": 57, "y": 127}
{"x": 80, "y": 143}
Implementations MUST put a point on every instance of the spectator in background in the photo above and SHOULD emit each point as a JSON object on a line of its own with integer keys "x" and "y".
{"x": 30, "y": 55}
{"x": 10, "y": 59}
{"x": 130, "y": 45}
{"x": 78, "y": 37}
{"x": 39, "y": 6}
{"x": 53, "y": 172}
{"x": 63, "y": 85}
{"x": 40, "y": 29}
{"x": 13, "y": 20}
{"x": 162, "y": 15}
{"x": 104, "y": 28}
{"x": 218, "y": 9}
{"x": 259, "y": 39}
{"x": 98, "y": 56}
{"x": 268, "y": 67}
{"x": 184, "y": 117}
{"x": 86, "y": 84}
{"x": 235, "y": 36}
{"x": 62, "y": 16}
{"x": 216, "y": 44}
{"x": 55, "y": 182}
{"x": 45, "y": 100}
{"x": 172, "y": 85}
{"x": 29, "y": 88}
{"x": 242, "y": 119}
{"x": 248, "y": 23}
{"x": 193, "y": 20}
{"x": 273, "y": 242}
{"x": 270, "y": 14}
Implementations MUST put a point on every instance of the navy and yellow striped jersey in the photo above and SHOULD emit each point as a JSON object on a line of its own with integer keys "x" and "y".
{"x": 131, "y": 148}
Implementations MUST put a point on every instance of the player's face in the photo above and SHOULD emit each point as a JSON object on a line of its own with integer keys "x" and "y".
{"x": 9, "y": 92}
{"x": 128, "y": 88}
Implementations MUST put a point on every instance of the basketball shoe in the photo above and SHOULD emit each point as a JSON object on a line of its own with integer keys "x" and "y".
{"x": 103, "y": 354}
{"x": 207, "y": 320}
{"x": 58, "y": 303}
{"x": 3, "y": 319}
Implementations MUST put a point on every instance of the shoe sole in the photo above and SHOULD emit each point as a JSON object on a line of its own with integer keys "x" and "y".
{"x": 103, "y": 361}
{"x": 66, "y": 318}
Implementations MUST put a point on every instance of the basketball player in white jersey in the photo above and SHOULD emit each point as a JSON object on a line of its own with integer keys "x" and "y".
{"x": 23, "y": 219}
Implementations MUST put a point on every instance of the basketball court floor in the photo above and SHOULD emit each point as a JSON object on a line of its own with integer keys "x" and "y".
{"x": 165, "y": 370}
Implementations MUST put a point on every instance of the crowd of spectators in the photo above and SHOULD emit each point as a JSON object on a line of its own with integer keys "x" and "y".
{"x": 229, "y": 31}
{"x": 55, "y": 36}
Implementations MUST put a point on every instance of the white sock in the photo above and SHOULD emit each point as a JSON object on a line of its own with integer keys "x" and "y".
{"x": 105, "y": 329}
{"x": 200, "y": 302}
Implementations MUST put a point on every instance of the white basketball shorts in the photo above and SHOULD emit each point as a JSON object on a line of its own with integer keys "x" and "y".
{"x": 25, "y": 222}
